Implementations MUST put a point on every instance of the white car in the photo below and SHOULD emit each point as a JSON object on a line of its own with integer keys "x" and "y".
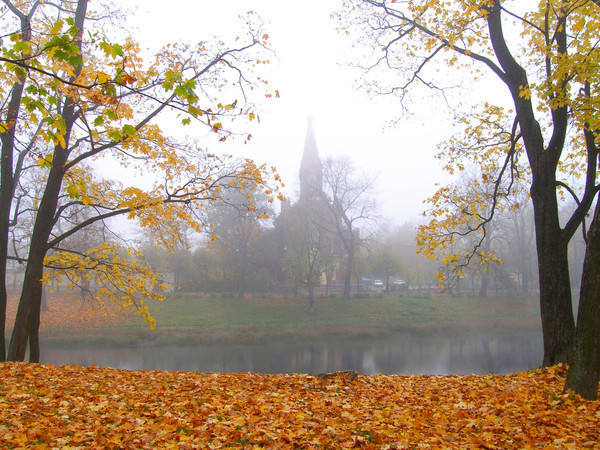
{"x": 377, "y": 283}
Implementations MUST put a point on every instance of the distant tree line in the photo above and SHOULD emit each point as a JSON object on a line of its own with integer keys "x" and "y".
{"x": 246, "y": 257}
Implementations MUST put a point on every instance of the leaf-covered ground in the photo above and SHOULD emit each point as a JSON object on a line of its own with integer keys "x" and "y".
{"x": 50, "y": 406}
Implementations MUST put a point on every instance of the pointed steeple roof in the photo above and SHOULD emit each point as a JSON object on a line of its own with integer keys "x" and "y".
{"x": 311, "y": 170}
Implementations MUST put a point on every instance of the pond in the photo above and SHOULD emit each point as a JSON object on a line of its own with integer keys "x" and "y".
{"x": 401, "y": 354}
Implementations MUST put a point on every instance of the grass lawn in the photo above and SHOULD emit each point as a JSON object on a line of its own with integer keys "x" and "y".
{"x": 260, "y": 318}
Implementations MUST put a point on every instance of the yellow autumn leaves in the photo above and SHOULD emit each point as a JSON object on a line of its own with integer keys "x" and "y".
{"x": 118, "y": 276}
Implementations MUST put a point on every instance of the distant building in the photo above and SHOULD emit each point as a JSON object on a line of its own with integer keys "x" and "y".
{"x": 311, "y": 169}
{"x": 311, "y": 199}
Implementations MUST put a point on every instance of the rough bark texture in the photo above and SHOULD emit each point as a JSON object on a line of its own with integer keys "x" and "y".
{"x": 7, "y": 190}
{"x": 27, "y": 320}
{"x": 30, "y": 294}
{"x": 584, "y": 372}
{"x": 7, "y": 184}
{"x": 558, "y": 324}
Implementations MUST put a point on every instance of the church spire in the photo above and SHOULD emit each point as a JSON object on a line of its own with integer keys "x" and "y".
{"x": 311, "y": 170}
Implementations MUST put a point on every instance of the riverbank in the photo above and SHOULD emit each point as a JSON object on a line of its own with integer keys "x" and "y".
{"x": 227, "y": 319}
{"x": 55, "y": 407}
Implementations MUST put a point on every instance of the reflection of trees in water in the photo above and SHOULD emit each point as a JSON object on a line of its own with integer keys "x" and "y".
{"x": 495, "y": 354}
{"x": 402, "y": 355}
{"x": 487, "y": 354}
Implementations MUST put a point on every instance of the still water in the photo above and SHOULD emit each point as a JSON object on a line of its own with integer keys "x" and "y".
{"x": 401, "y": 354}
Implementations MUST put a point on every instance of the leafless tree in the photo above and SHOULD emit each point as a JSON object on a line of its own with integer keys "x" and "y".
{"x": 352, "y": 207}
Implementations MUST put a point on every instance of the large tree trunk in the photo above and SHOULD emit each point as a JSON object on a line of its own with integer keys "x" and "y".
{"x": 31, "y": 292}
{"x": 558, "y": 323}
{"x": 29, "y": 303}
{"x": 4, "y": 219}
{"x": 28, "y": 313}
{"x": 7, "y": 183}
{"x": 584, "y": 372}
{"x": 7, "y": 190}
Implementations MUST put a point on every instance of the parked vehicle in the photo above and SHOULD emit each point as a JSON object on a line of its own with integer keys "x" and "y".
{"x": 399, "y": 285}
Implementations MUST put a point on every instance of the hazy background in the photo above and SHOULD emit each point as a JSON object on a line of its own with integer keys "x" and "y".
{"x": 309, "y": 72}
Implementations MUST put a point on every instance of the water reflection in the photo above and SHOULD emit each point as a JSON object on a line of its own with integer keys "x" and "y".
{"x": 399, "y": 355}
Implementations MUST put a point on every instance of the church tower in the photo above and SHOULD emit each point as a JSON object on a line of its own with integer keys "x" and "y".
{"x": 311, "y": 170}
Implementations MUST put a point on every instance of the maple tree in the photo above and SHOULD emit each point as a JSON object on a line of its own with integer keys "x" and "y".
{"x": 481, "y": 227}
{"x": 552, "y": 84}
{"x": 74, "y": 406}
{"x": 74, "y": 102}
{"x": 464, "y": 225}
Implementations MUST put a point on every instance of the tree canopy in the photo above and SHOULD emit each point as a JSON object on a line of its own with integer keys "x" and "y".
{"x": 542, "y": 62}
{"x": 77, "y": 103}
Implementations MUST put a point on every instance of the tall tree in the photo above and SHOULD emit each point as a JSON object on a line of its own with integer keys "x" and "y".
{"x": 74, "y": 100}
{"x": 352, "y": 209}
{"x": 465, "y": 216}
{"x": 552, "y": 84}
{"x": 307, "y": 246}
{"x": 458, "y": 233}
{"x": 237, "y": 231}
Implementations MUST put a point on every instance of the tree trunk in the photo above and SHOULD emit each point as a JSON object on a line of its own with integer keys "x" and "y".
{"x": 7, "y": 190}
{"x": 584, "y": 372}
{"x": 30, "y": 293}
{"x": 29, "y": 303}
{"x": 7, "y": 184}
{"x": 311, "y": 295}
{"x": 558, "y": 323}
{"x": 6, "y": 195}
{"x": 349, "y": 270}
{"x": 483, "y": 287}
